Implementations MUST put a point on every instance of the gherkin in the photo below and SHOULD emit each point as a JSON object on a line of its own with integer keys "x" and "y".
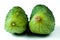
{"x": 42, "y": 20}
{"x": 16, "y": 20}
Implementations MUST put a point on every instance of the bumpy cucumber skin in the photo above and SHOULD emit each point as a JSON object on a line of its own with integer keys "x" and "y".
{"x": 17, "y": 16}
{"x": 47, "y": 23}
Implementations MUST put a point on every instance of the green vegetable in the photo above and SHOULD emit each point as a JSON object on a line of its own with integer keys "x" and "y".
{"x": 42, "y": 20}
{"x": 16, "y": 20}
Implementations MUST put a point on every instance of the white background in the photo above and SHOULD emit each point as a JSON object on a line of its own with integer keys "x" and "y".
{"x": 27, "y": 5}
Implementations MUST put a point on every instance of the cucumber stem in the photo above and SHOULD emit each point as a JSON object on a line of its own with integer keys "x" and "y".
{"x": 37, "y": 18}
{"x": 13, "y": 24}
